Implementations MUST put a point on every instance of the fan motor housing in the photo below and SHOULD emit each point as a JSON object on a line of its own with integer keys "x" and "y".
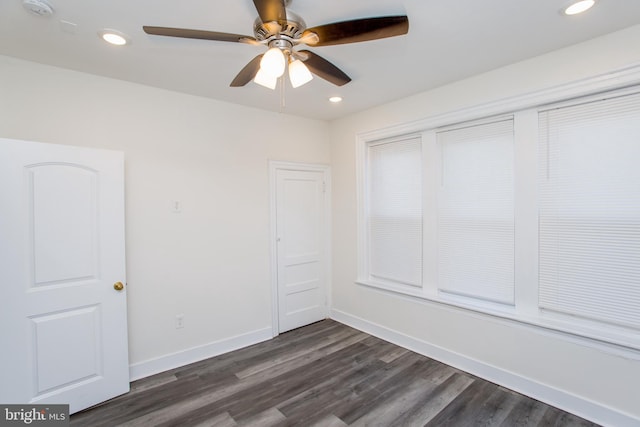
{"x": 293, "y": 28}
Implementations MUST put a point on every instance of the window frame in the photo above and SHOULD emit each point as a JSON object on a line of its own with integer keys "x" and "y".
{"x": 525, "y": 110}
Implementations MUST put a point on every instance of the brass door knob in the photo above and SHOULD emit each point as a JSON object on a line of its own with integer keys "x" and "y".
{"x": 118, "y": 286}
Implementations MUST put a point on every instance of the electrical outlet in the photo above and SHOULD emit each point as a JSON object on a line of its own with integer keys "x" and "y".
{"x": 179, "y": 321}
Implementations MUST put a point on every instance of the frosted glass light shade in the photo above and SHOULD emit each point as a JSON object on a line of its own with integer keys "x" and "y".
{"x": 299, "y": 74}
{"x": 273, "y": 62}
{"x": 264, "y": 79}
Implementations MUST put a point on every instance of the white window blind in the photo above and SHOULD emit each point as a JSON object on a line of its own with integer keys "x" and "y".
{"x": 589, "y": 210}
{"x": 475, "y": 212}
{"x": 394, "y": 212}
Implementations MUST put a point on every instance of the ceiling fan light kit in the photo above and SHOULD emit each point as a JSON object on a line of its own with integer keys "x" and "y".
{"x": 282, "y": 30}
{"x": 273, "y": 62}
{"x": 265, "y": 80}
{"x": 299, "y": 74}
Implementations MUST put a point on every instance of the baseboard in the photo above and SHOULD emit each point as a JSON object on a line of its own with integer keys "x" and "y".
{"x": 195, "y": 354}
{"x": 560, "y": 399}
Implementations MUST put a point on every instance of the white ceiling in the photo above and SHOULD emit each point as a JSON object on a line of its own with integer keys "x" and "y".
{"x": 447, "y": 41}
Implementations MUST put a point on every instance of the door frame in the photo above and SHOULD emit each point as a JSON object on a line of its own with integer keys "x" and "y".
{"x": 275, "y": 166}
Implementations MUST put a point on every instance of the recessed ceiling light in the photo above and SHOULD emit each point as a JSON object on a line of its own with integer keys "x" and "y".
{"x": 579, "y": 7}
{"x": 335, "y": 99}
{"x": 114, "y": 37}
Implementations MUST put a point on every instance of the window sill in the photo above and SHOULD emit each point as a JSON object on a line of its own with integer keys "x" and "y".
{"x": 624, "y": 342}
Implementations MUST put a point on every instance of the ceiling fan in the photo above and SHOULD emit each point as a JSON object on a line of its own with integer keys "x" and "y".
{"x": 281, "y": 31}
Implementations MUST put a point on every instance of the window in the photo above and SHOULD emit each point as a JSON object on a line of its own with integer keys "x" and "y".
{"x": 475, "y": 211}
{"x": 533, "y": 217}
{"x": 589, "y": 210}
{"x": 394, "y": 212}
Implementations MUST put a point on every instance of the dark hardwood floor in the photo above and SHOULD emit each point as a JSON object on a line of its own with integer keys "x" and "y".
{"x": 325, "y": 374}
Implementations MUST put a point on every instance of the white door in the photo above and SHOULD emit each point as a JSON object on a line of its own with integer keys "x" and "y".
{"x": 63, "y": 324}
{"x": 301, "y": 245}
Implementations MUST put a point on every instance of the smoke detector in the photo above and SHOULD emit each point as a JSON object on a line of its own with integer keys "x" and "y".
{"x": 38, "y": 7}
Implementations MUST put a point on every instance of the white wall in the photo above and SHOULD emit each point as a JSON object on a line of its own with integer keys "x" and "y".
{"x": 590, "y": 381}
{"x": 210, "y": 262}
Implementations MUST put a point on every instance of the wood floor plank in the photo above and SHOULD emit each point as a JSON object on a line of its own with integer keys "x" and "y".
{"x": 267, "y": 388}
{"x": 462, "y": 410}
{"x": 268, "y": 350}
{"x": 322, "y": 375}
{"x": 554, "y": 417}
{"x": 527, "y": 412}
{"x": 388, "y": 411}
{"x": 279, "y": 366}
{"x": 412, "y": 400}
{"x": 495, "y": 408}
{"x": 374, "y": 382}
{"x": 130, "y": 406}
{"x": 328, "y": 394}
{"x": 270, "y": 417}
{"x": 390, "y": 388}
{"x": 153, "y": 381}
{"x": 329, "y": 421}
{"x": 393, "y": 353}
{"x": 282, "y": 388}
{"x": 433, "y": 403}
{"x": 180, "y": 409}
{"x": 222, "y": 420}
{"x": 345, "y": 337}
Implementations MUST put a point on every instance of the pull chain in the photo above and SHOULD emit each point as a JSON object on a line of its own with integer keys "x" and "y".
{"x": 282, "y": 101}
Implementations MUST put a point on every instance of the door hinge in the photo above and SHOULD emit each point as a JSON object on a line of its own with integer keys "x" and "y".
{"x": 324, "y": 187}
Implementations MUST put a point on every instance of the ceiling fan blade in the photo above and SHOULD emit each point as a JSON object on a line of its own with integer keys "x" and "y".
{"x": 247, "y": 73}
{"x": 323, "y": 68}
{"x": 359, "y": 30}
{"x": 271, "y": 10}
{"x": 197, "y": 34}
